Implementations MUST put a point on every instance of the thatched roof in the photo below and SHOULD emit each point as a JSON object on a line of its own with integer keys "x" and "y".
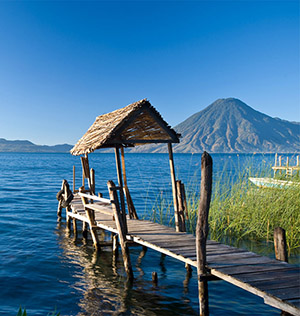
{"x": 136, "y": 124}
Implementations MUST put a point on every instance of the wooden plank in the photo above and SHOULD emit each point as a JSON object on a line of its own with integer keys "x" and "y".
{"x": 282, "y": 305}
{"x": 295, "y": 302}
{"x": 286, "y": 293}
{"x": 269, "y": 275}
{"x": 99, "y": 208}
{"x": 284, "y": 282}
{"x": 251, "y": 268}
{"x": 242, "y": 261}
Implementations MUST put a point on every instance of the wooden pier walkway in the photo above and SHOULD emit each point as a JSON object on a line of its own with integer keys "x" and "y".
{"x": 278, "y": 283}
{"x": 138, "y": 124}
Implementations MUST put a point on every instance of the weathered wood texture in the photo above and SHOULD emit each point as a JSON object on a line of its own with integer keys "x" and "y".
{"x": 174, "y": 190}
{"x": 280, "y": 244}
{"x": 247, "y": 270}
{"x": 202, "y": 231}
{"x": 122, "y": 229}
{"x": 181, "y": 205}
{"x": 130, "y": 206}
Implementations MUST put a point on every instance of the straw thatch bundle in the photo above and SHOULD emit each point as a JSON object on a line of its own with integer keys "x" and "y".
{"x": 136, "y": 124}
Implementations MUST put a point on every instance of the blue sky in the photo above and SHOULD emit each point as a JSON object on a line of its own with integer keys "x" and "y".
{"x": 64, "y": 63}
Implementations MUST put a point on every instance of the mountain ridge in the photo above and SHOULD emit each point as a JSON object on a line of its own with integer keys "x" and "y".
{"x": 230, "y": 125}
{"x": 226, "y": 126}
{"x": 27, "y": 146}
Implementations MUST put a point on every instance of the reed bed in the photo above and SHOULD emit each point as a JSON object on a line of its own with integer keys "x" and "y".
{"x": 239, "y": 210}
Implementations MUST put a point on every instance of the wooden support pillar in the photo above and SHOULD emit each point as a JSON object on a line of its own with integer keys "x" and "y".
{"x": 92, "y": 181}
{"x": 75, "y": 228}
{"x": 174, "y": 191}
{"x": 74, "y": 187}
{"x": 68, "y": 220}
{"x": 115, "y": 248}
{"x": 202, "y": 231}
{"x": 280, "y": 244}
{"x": 154, "y": 278}
{"x": 130, "y": 205}
{"x": 180, "y": 201}
{"x": 280, "y": 251}
{"x": 92, "y": 223}
{"x": 84, "y": 230}
{"x": 120, "y": 182}
{"x": 60, "y": 207}
{"x": 122, "y": 229}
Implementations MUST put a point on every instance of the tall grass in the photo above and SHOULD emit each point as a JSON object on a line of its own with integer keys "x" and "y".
{"x": 240, "y": 210}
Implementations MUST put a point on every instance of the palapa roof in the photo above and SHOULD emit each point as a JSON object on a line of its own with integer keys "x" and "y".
{"x": 136, "y": 124}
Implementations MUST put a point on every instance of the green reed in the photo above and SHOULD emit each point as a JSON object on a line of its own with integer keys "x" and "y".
{"x": 239, "y": 209}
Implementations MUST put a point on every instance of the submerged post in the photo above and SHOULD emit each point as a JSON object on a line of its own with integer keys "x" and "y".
{"x": 121, "y": 227}
{"x": 202, "y": 231}
{"x": 173, "y": 179}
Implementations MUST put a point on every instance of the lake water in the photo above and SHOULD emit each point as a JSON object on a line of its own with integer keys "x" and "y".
{"x": 43, "y": 269}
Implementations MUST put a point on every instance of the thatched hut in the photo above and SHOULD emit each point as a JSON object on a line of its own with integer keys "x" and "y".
{"x": 136, "y": 124}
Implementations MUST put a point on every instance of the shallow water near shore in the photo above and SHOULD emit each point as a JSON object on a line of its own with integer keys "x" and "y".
{"x": 43, "y": 268}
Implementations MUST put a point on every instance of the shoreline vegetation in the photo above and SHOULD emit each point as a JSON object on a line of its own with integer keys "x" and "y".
{"x": 240, "y": 211}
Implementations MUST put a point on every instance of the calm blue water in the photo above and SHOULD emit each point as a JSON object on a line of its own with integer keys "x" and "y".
{"x": 42, "y": 268}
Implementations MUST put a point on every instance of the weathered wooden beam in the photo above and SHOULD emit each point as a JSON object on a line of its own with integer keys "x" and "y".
{"x": 122, "y": 229}
{"x": 174, "y": 191}
{"x": 202, "y": 231}
{"x": 90, "y": 214}
{"x": 181, "y": 205}
{"x": 154, "y": 278}
{"x": 75, "y": 231}
{"x": 130, "y": 205}
{"x": 92, "y": 181}
{"x": 280, "y": 244}
{"x": 120, "y": 181}
{"x": 74, "y": 188}
{"x": 115, "y": 248}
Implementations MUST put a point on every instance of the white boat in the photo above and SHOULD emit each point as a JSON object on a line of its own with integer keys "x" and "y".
{"x": 272, "y": 183}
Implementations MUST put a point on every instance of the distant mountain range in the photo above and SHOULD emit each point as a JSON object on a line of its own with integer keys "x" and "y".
{"x": 226, "y": 126}
{"x": 27, "y": 146}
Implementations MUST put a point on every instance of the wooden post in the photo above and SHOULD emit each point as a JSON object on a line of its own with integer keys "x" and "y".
{"x": 122, "y": 230}
{"x": 59, "y": 208}
{"x": 120, "y": 182}
{"x": 280, "y": 250}
{"x": 92, "y": 223}
{"x": 115, "y": 248}
{"x": 92, "y": 181}
{"x": 173, "y": 179}
{"x": 154, "y": 278}
{"x": 73, "y": 179}
{"x": 184, "y": 201}
{"x": 130, "y": 205}
{"x": 280, "y": 244}
{"x": 75, "y": 228}
{"x": 202, "y": 231}
{"x": 84, "y": 230}
{"x": 180, "y": 201}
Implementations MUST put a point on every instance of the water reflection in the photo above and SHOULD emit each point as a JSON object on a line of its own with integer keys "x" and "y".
{"x": 104, "y": 288}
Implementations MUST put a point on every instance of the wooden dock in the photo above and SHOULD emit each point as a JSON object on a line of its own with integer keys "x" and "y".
{"x": 140, "y": 123}
{"x": 278, "y": 283}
